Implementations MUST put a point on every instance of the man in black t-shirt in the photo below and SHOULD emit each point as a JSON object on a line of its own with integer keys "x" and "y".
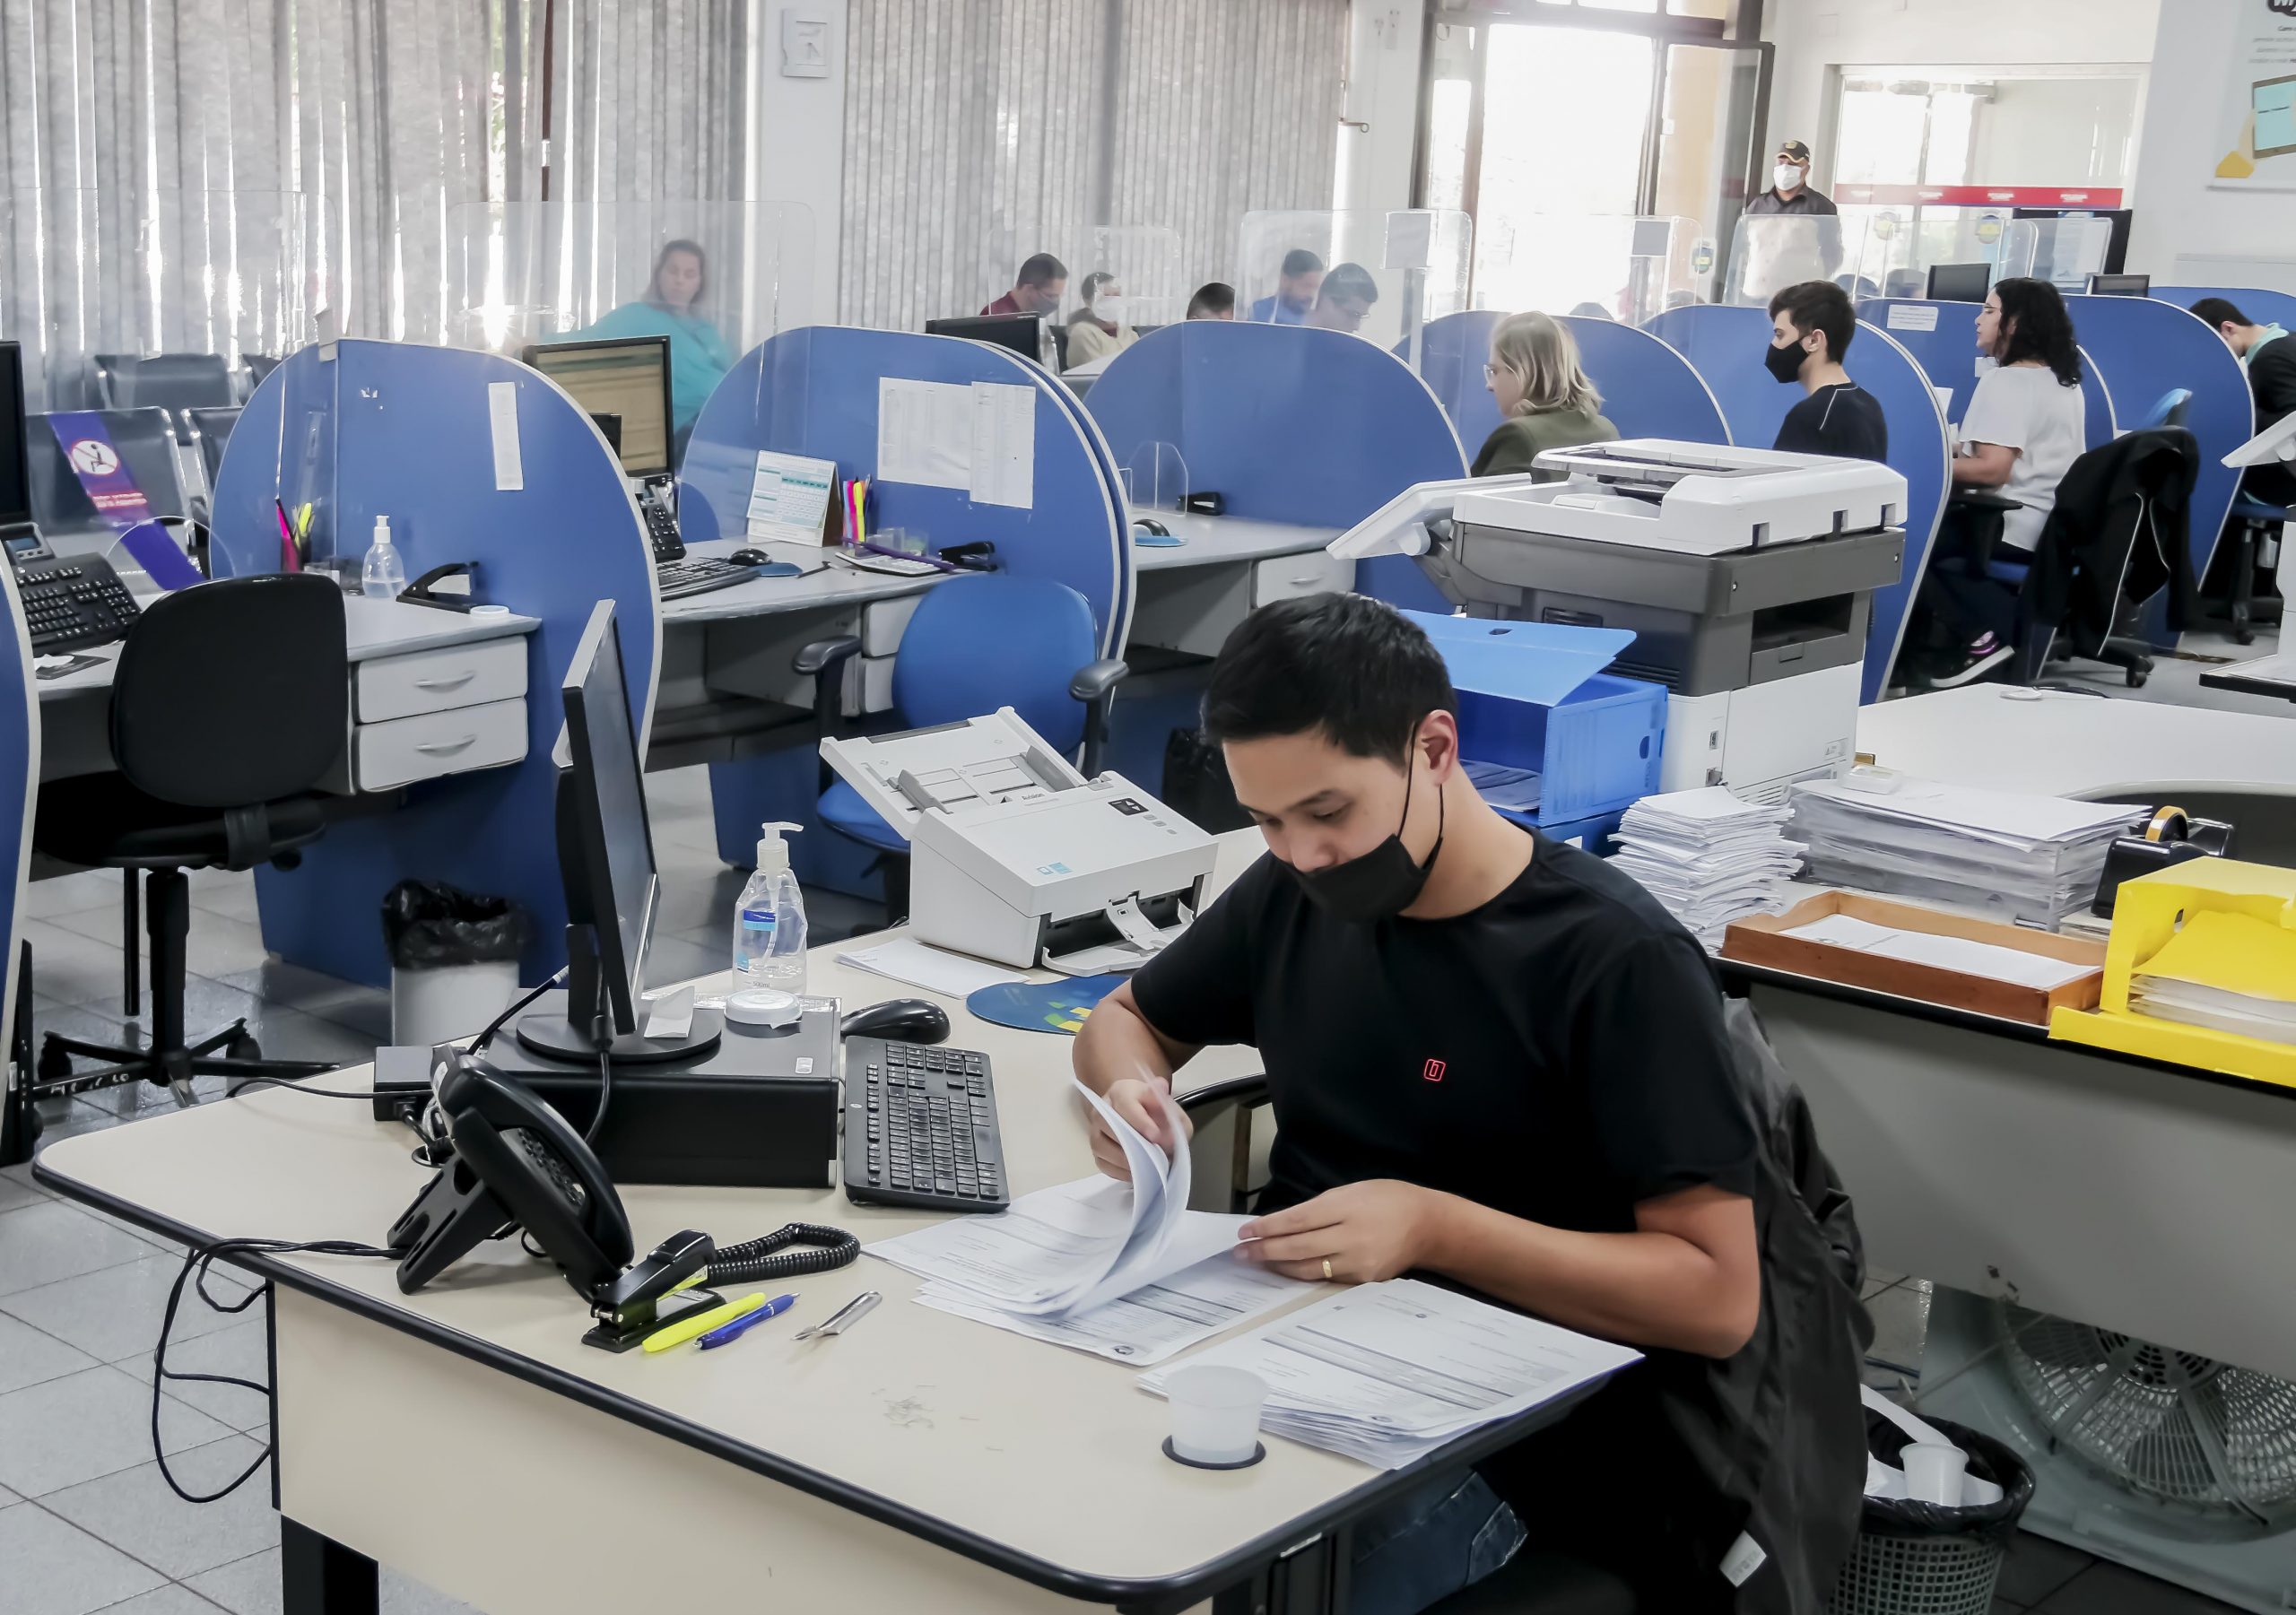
{"x": 1491, "y": 1057}
{"x": 1811, "y": 326}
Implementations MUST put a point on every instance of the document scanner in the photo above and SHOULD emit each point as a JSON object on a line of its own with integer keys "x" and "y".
{"x": 1747, "y": 576}
{"x": 1017, "y": 857}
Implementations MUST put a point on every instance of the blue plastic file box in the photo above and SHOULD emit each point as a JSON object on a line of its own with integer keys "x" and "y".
{"x": 1533, "y": 695}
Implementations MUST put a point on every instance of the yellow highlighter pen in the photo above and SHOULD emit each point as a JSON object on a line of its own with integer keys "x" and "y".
{"x": 703, "y": 1323}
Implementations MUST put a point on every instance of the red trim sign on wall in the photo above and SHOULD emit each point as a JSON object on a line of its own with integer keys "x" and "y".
{"x": 1978, "y": 195}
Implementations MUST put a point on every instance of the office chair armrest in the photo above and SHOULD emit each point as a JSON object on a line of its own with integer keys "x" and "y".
{"x": 1095, "y": 686}
{"x": 1985, "y": 513}
{"x": 1978, "y": 498}
{"x": 1241, "y": 1096}
{"x": 1249, "y": 1092}
{"x": 824, "y": 660}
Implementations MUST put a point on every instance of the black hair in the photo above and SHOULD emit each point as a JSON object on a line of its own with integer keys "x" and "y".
{"x": 1347, "y": 664}
{"x": 1349, "y": 280}
{"x": 1301, "y": 261}
{"x": 1214, "y": 297}
{"x": 1819, "y": 306}
{"x": 2038, "y": 326}
{"x": 2217, "y": 311}
{"x": 1084, "y": 315}
{"x": 701, "y": 260}
{"x": 1040, "y": 269}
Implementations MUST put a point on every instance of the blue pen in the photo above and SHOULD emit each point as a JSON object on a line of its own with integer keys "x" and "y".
{"x": 726, "y": 1333}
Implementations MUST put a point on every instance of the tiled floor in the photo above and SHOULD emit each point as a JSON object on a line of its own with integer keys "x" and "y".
{"x": 86, "y": 1521}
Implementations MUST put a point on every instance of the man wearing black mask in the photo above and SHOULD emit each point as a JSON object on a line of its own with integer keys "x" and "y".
{"x": 1810, "y": 329}
{"x": 1492, "y": 1058}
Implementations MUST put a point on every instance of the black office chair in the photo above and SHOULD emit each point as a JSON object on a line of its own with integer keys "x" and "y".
{"x": 254, "y": 368}
{"x": 174, "y": 382}
{"x": 230, "y": 706}
{"x": 211, "y": 430}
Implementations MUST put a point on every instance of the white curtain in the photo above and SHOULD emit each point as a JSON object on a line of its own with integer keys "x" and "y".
{"x": 210, "y": 175}
{"x": 979, "y": 131}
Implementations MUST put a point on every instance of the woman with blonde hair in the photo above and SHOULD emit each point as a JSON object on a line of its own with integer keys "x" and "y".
{"x": 1544, "y": 394}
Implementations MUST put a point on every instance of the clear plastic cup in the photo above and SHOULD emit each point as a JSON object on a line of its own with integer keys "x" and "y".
{"x": 1934, "y": 1471}
{"x": 1216, "y": 1414}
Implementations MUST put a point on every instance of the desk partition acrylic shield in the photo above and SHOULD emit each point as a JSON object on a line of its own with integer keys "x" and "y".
{"x": 1380, "y": 275}
{"x": 1595, "y": 265}
{"x": 1770, "y": 252}
{"x": 1897, "y": 253}
{"x": 1144, "y": 260}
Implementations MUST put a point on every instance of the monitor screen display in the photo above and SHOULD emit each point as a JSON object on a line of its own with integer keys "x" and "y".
{"x": 628, "y": 376}
{"x": 1959, "y": 283}
{"x": 1022, "y": 333}
{"x": 2120, "y": 285}
{"x": 15, "y": 479}
{"x": 610, "y": 870}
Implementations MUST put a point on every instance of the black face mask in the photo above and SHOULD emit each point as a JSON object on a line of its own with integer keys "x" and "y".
{"x": 1381, "y": 883}
{"x": 1785, "y": 363}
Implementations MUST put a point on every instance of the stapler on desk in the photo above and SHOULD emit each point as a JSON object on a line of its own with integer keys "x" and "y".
{"x": 652, "y": 1292}
{"x": 424, "y": 590}
{"x": 978, "y": 556}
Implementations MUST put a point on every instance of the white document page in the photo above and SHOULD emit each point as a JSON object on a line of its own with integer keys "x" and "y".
{"x": 924, "y": 965}
{"x": 1004, "y": 445}
{"x": 1980, "y": 959}
{"x": 1980, "y": 814}
{"x": 1218, "y": 1294}
{"x": 1843, "y": 931}
{"x": 924, "y": 433}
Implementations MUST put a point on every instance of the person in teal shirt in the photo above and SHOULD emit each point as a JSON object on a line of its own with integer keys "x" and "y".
{"x": 699, "y": 356}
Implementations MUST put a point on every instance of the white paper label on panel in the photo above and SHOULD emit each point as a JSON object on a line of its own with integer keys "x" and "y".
{"x": 502, "y": 415}
{"x": 924, "y": 433}
{"x": 1004, "y": 445}
{"x": 1908, "y": 317}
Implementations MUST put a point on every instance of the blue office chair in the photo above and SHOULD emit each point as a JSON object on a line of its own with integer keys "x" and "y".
{"x": 976, "y": 644}
{"x": 2169, "y": 409}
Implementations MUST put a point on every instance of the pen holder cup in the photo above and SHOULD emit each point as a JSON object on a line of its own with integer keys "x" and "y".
{"x": 1215, "y": 1416}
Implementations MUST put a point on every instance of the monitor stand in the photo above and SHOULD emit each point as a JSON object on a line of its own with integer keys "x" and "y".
{"x": 559, "y": 1025}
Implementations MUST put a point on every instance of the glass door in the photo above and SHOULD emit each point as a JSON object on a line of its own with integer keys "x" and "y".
{"x": 1706, "y": 158}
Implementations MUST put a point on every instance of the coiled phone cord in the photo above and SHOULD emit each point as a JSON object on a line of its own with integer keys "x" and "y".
{"x": 758, "y": 1259}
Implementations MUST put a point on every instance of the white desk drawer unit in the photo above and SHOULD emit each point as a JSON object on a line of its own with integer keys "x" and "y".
{"x": 434, "y": 681}
{"x": 430, "y": 744}
{"x": 1288, "y": 577}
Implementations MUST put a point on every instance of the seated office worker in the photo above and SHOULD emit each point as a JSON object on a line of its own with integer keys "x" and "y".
{"x": 2025, "y": 425}
{"x": 1099, "y": 330}
{"x": 1038, "y": 289}
{"x": 1297, "y": 283}
{"x": 1811, "y": 329}
{"x": 674, "y": 306}
{"x": 1215, "y": 300}
{"x": 2269, "y": 358}
{"x": 1345, "y": 299}
{"x": 1495, "y": 1060}
{"x": 1536, "y": 380}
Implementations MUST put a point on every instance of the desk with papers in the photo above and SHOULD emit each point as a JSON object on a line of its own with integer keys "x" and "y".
{"x": 918, "y": 1461}
{"x": 1986, "y": 1156}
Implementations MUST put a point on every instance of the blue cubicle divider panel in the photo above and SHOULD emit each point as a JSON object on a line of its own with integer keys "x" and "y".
{"x": 2142, "y": 347}
{"x": 406, "y": 432}
{"x": 19, "y": 800}
{"x": 1732, "y": 340}
{"x": 1287, "y": 424}
{"x": 1649, "y": 390}
{"x": 813, "y": 391}
{"x": 1112, "y": 477}
{"x": 2262, "y": 305}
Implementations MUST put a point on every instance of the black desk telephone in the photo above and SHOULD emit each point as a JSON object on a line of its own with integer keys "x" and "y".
{"x": 661, "y": 521}
{"x": 518, "y": 1164}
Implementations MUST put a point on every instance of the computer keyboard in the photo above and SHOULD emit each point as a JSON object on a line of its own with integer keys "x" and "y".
{"x": 72, "y": 604}
{"x": 920, "y": 1128}
{"x": 679, "y": 579}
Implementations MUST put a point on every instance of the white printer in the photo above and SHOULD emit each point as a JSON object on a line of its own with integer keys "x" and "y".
{"x": 1017, "y": 857}
{"x": 1747, "y": 576}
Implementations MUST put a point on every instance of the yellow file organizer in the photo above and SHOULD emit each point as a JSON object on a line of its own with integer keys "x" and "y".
{"x": 2245, "y": 943}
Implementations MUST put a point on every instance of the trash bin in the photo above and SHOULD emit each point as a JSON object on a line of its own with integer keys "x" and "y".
{"x": 1924, "y": 1558}
{"x": 453, "y": 960}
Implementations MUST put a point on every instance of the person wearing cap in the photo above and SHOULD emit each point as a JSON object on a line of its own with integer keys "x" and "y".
{"x": 1790, "y": 191}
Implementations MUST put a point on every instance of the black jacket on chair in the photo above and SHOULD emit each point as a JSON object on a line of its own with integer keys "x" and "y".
{"x": 2123, "y": 506}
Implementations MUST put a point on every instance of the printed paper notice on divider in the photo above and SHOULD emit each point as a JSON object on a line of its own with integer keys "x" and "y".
{"x": 924, "y": 433}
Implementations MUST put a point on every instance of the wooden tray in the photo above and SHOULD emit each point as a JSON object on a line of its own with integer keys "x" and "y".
{"x": 1760, "y": 941}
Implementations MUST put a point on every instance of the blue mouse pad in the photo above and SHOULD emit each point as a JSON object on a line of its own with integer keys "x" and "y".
{"x": 1157, "y": 541}
{"x": 1052, "y": 1006}
{"x": 779, "y": 568}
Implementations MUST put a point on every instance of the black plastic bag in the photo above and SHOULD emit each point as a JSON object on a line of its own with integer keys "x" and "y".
{"x": 1989, "y": 1460}
{"x": 430, "y": 925}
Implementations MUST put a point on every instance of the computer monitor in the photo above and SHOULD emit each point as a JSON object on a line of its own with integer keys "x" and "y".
{"x": 15, "y": 454}
{"x": 1022, "y": 333}
{"x": 2120, "y": 285}
{"x": 1959, "y": 283}
{"x": 625, "y": 376}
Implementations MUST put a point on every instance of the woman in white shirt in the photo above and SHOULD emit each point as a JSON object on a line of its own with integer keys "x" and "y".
{"x": 2025, "y": 425}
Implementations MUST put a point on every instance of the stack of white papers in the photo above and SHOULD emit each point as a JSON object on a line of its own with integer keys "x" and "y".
{"x": 1123, "y": 1270}
{"x": 1988, "y": 959}
{"x": 1708, "y": 858}
{"x": 2025, "y": 858}
{"x": 1386, "y": 1373}
{"x": 904, "y": 959}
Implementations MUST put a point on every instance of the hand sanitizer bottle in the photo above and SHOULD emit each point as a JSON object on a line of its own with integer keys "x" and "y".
{"x": 770, "y": 921}
{"x": 384, "y": 574}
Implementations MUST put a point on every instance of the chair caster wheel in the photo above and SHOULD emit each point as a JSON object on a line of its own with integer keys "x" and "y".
{"x": 2136, "y": 677}
{"x": 243, "y": 1048}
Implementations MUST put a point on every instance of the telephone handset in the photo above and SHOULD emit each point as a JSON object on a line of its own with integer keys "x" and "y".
{"x": 517, "y": 1163}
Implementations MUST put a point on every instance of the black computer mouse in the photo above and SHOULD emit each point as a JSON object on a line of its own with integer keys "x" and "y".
{"x": 1149, "y": 523}
{"x": 749, "y": 557}
{"x": 898, "y": 1020}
